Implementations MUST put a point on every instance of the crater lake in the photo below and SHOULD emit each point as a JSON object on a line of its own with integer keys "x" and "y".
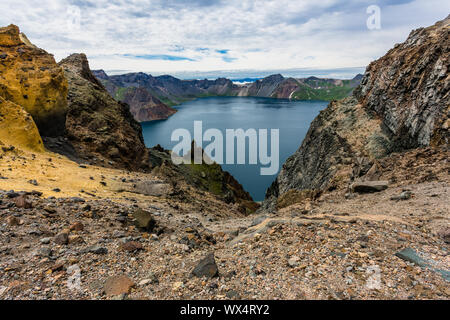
{"x": 292, "y": 118}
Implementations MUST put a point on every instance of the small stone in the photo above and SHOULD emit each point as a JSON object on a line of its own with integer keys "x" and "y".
{"x": 145, "y": 282}
{"x": 11, "y": 194}
{"x": 405, "y": 195}
{"x": 117, "y": 285}
{"x": 350, "y": 195}
{"x": 45, "y": 252}
{"x": 177, "y": 286}
{"x": 131, "y": 246}
{"x": 13, "y": 221}
{"x": 185, "y": 247}
{"x": 444, "y": 233}
{"x": 62, "y": 238}
{"x": 293, "y": 261}
{"x": 97, "y": 249}
{"x": 45, "y": 240}
{"x": 232, "y": 294}
{"x": 77, "y": 226}
{"x": 75, "y": 239}
{"x": 207, "y": 267}
{"x": 50, "y": 210}
{"x": 363, "y": 238}
{"x": 22, "y": 201}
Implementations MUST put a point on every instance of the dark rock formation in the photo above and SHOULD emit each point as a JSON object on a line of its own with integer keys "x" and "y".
{"x": 408, "y": 88}
{"x": 98, "y": 126}
{"x": 402, "y": 102}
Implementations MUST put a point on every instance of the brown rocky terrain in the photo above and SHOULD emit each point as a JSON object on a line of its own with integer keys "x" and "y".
{"x": 95, "y": 243}
{"x": 353, "y": 215}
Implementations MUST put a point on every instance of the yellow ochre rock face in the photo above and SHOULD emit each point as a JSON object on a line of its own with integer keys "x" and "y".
{"x": 30, "y": 77}
{"x": 17, "y": 128}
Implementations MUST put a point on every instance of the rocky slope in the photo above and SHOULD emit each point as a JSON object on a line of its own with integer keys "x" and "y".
{"x": 149, "y": 96}
{"x": 30, "y": 77}
{"x": 402, "y": 102}
{"x": 89, "y": 240}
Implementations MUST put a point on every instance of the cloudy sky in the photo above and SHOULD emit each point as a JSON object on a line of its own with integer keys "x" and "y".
{"x": 160, "y": 36}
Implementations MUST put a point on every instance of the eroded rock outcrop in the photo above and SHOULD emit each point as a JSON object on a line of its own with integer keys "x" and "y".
{"x": 17, "y": 128}
{"x": 97, "y": 125}
{"x": 402, "y": 102}
{"x": 408, "y": 88}
{"x": 30, "y": 77}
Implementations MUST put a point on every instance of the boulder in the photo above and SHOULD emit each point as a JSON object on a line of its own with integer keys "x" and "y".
{"x": 369, "y": 186}
{"x": 62, "y": 238}
{"x": 144, "y": 220}
{"x": 152, "y": 188}
{"x": 131, "y": 246}
{"x": 206, "y": 267}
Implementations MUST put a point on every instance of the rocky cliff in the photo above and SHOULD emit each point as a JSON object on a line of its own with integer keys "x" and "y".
{"x": 100, "y": 128}
{"x": 408, "y": 88}
{"x": 30, "y": 77}
{"x": 144, "y": 106}
{"x": 402, "y": 102}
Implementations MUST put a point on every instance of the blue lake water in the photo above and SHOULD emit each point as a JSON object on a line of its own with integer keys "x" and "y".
{"x": 292, "y": 118}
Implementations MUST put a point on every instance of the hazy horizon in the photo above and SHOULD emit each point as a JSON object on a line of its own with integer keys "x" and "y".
{"x": 337, "y": 73}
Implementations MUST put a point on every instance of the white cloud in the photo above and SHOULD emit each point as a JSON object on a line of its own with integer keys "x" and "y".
{"x": 269, "y": 34}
